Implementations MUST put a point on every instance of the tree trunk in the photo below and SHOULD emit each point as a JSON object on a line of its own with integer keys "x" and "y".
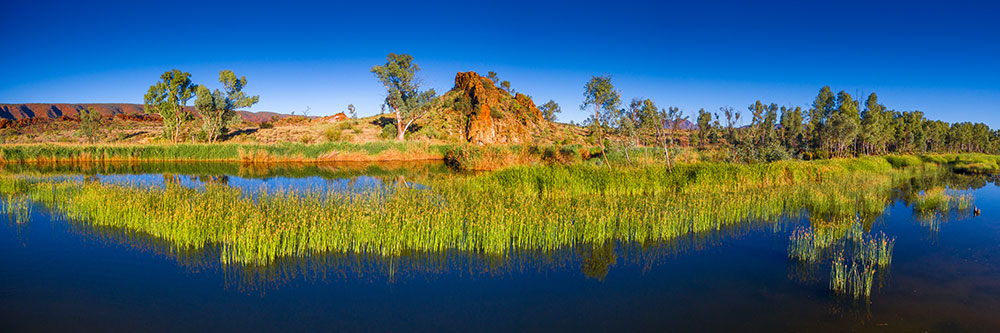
{"x": 666, "y": 153}
{"x": 400, "y": 128}
{"x": 604, "y": 153}
{"x": 627, "y": 158}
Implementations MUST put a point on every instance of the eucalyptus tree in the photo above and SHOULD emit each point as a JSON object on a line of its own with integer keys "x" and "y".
{"x": 792, "y": 129}
{"x": 90, "y": 124}
{"x": 673, "y": 118}
{"x": 770, "y": 120}
{"x": 936, "y": 135}
{"x": 628, "y": 125}
{"x": 732, "y": 118}
{"x": 218, "y": 108}
{"x": 909, "y": 130}
{"x": 404, "y": 96}
{"x": 843, "y": 124}
{"x": 168, "y": 99}
{"x": 650, "y": 123}
{"x": 876, "y": 126}
{"x": 822, "y": 107}
{"x": 549, "y": 110}
{"x": 600, "y": 94}
{"x": 757, "y": 110}
{"x": 704, "y": 126}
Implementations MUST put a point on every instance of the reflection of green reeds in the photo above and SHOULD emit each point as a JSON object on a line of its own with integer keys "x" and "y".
{"x": 17, "y": 208}
{"x": 936, "y": 205}
{"x": 535, "y": 208}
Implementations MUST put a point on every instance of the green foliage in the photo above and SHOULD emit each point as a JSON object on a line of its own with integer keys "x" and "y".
{"x": 90, "y": 124}
{"x": 333, "y": 134}
{"x": 600, "y": 94}
{"x": 388, "y": 131}
{"x": 549, "y": 110}
{"x": 168, "y": 98}
{"x": 399, "y": 77}
{"x": 495, "y": 112}
{"x": 218, "y": 108}
{"x": 903, "y": 161}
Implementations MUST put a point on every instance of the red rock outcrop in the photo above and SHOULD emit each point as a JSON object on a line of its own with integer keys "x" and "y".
{"x": 493, "y": 115}
{"x": 333, "y": 119}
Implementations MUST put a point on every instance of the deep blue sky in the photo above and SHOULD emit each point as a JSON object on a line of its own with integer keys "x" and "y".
{"x": 942, "y": 58}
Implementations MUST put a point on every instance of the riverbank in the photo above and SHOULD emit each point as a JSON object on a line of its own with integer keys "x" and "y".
{"x": 223, "y": 152}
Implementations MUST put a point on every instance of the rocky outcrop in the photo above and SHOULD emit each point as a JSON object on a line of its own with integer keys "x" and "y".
{"x": 333, "y": 119}
{"x": 492, "y": 115}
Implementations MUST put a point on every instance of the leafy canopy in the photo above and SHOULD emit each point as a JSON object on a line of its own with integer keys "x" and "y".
{"x": 168, "y": 98}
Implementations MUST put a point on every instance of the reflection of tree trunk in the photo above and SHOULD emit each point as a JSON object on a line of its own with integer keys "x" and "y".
{"x": 169, "y": 178}
{"x": 596, "y": 261}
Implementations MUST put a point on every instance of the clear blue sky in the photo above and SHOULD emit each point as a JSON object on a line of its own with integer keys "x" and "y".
{"x": 942, "y": 58}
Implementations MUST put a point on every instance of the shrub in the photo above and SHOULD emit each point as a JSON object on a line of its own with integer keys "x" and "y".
{"x": 388, "y": 131}
{"x": 333, "y": 135}
{"x": 903, "y": 161}
{"x": 495, "y": 112}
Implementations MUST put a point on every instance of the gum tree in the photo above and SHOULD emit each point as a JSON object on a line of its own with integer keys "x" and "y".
{"x": 90, "y": 122}
{"x": 600, "y": 94}
{"x": 549, "y": 110}
{"x": 404, "y": 97}
{"x": 218, "y": 108}
{"x": 168, "y": 99}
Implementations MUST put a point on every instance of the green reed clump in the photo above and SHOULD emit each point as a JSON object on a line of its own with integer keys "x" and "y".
{"x": 852, "y": 278}
{"x": 933, "y": 206}
{"x": 853, "y": 274}
{"x": 802, "y": 245}
{"x": 838, "y": 275}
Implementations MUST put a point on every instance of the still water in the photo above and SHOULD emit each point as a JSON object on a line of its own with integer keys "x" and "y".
{"x": 63, "y": 276}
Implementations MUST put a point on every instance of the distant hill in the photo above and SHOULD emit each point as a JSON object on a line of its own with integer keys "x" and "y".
{"x": 684, "y": 125}
{"x": 15, "y": 112}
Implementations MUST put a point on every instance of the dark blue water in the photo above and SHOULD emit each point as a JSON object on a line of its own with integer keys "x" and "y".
{"x": 64, "y": 276}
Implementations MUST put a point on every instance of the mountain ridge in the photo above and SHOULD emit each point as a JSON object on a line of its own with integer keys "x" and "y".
{"x": 21, "y": 111}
